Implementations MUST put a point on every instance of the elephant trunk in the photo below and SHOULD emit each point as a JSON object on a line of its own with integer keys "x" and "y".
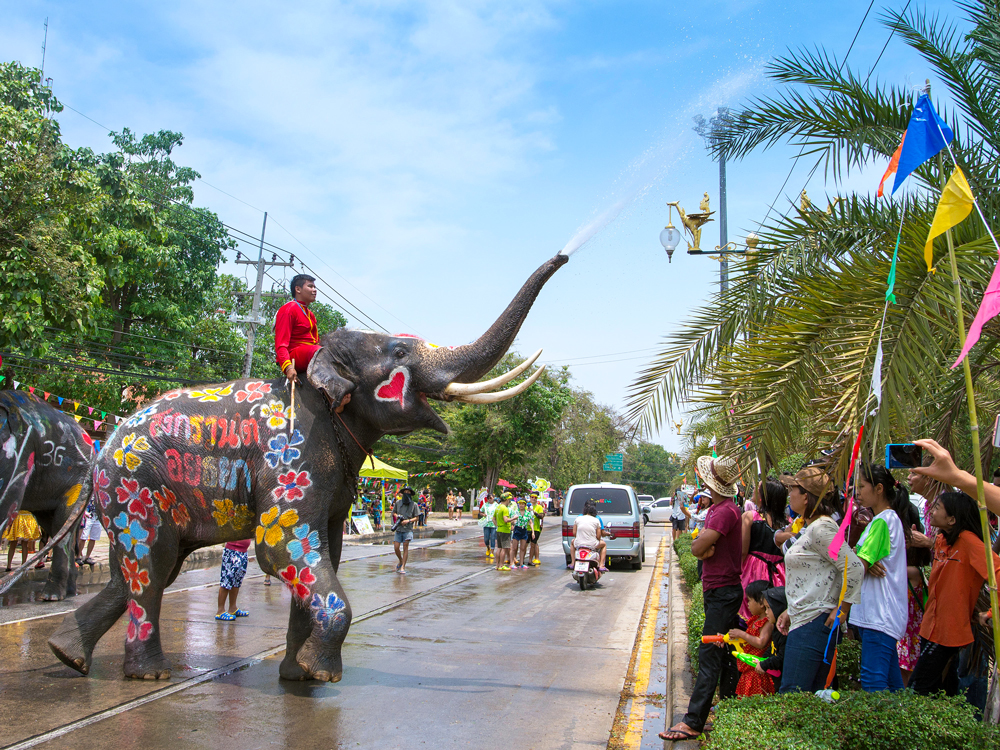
{"x": 466, "y": 364}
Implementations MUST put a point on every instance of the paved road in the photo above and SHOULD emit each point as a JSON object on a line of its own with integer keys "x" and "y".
{"x": 451, "y": 655}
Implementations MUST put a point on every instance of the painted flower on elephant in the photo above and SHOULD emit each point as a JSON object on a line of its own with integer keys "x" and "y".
{"x": 137, "y": 500}
{"x": 272, "y": 525}
{"x": 225, "y": 512}
{"x": 138, "y": 628}
{"x": 171, "y": 395}
{"x": 298, "y": 581}
{"x": 137, "y": 578}
{"x": 167, "y": 501}
{"x": 140, "y": 417}
{"x": 101, "y": 483}
{"x": 132, "y": 535}
{"x": 211, "y": 395}
{"x": 253, "y": 392}
{"x": 283, "y": 449}
{"x": 128, "y": 454}
{"x": 329, "y": 611}
{"x": 305, "y": 546}
{"x": 274, "y": 413}
{"x": 290, "y": 485}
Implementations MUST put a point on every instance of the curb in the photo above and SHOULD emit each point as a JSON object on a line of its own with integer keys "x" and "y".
{"x": 680, "y": 681}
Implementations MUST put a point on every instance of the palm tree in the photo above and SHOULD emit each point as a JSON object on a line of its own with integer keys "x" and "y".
{"x": 787, "y": 355}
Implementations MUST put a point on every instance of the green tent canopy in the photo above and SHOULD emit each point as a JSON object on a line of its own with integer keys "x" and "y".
{"x": 382, "y": 470}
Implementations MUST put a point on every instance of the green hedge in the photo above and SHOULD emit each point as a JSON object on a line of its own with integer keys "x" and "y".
{"x": 696, "y": 612}
{"x": 859, "y": 721}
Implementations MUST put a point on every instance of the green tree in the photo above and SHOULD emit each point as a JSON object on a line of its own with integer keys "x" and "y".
{"x": 49, "y": 277}
{"x": 501, "y": 437}
{"x": 651, "y": 469}
{"x": 787, "y": 355}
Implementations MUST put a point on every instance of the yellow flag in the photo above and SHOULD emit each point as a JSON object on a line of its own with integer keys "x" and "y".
{"x": 955, "y": 204}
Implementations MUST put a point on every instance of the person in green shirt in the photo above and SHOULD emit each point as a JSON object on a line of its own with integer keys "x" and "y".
{"x": 502, "y": 517}
{"x": 538, "y": 516}
{"x": 522, "y": 524}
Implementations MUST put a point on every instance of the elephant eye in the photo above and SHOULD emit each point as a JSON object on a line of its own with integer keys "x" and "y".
{"x": 399, "y": 353}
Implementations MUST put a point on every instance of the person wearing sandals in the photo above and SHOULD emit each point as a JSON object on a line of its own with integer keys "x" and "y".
{"x": 720, "y": 546}
{"x": 234, "y": 567}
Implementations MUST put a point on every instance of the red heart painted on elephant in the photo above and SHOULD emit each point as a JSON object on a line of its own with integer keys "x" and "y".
{"x": 393, "y": 389}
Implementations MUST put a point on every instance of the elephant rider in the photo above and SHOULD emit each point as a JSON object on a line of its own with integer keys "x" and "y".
{"x": 296, "y": 334}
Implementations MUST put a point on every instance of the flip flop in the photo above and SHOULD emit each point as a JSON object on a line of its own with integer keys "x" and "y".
{"x": 241, "y": 613}
{"x": 267, "y": 581}
{"x": 678, "y": 735}
{"x": 226, "y": 617}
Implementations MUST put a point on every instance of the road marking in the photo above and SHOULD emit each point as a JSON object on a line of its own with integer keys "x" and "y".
{"x": 644, "y": 663}
{"x": 430, "y": 545}
{"x": 244, "y": 663}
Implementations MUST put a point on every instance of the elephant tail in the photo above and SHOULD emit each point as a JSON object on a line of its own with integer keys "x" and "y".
{"x": 79, "y": 506}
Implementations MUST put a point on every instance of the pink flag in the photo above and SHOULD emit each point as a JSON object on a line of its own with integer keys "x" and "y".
{"x": 838, "y": 541}
{"x": 987, "y": 310}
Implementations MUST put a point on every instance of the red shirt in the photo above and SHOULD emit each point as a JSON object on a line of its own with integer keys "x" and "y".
{"x": 724, "y": 567}
{"x": 242, "y": 546}
{"x": 957, "y": 576}
{"x": 294, "y": 325}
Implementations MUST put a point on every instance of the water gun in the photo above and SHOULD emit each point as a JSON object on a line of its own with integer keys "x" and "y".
{"x": 724, "y": 638}
{"x": 741, "y": 655}
{"x": 694, "y": 533}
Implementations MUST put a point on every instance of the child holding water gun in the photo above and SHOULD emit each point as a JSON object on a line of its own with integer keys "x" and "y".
{"x": 757, "y": 641}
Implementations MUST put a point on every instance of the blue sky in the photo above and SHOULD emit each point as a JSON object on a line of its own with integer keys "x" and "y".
{"x": 431, "y": 155}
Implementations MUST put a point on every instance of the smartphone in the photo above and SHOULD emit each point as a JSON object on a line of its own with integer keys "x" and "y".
{"x": 903, "y": 455}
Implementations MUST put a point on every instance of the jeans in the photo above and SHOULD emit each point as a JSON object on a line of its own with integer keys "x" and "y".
{"x": 934, "y": 660}
{"x": 805, "y": 649}
{"x": 722, "y": 606}
{"x": 490, "y": 536}
{"x": 879, "y": 661}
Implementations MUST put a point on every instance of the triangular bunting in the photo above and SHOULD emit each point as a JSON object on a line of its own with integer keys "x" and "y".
{"x": 31, "y": 390}
{"x": 90, "y": 410}
{"x": 46, "y": 395}
{"x": 16, "y": 385}
{"x": 60, "y": 400}
{"x": 97, "y": 425}
{"x": 103, "y": 414}
{"x": 77, "y": 417}
{"x": 76, "y": 405}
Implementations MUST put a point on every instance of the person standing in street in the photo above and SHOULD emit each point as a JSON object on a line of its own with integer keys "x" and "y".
{"x": 91, "y": 533}
{"x": 450, "y": 501}
{"x": 538, "y": 518}
{"x": 296, "y": 332}
{"x": 679, "y": 512}
{"x": 519, "y": 537}
{"x": 489, "y": 526}
{"x": 459, "y": 503}
{"x": 502, "y": 518}
{"x": 720, "y": 546}
{"x": 405, "y": 512}
{"x": 234, "y": 567}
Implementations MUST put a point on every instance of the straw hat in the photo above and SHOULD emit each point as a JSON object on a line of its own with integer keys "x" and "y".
{"x": 812, "y": 479}
{"x": 720, "y": 474}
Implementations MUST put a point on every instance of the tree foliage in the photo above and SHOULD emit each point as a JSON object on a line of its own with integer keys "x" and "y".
{"x": 786, "y": 357}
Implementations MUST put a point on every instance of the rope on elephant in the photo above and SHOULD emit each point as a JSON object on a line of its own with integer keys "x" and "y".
{"x": 81, "y": 505}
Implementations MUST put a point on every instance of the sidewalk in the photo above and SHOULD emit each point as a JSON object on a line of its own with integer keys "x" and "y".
{"x": 680, "y": 679}
{"x": 208, "y": 556}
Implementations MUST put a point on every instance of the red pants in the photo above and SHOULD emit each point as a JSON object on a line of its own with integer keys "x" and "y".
{"x": 302, "y": 355}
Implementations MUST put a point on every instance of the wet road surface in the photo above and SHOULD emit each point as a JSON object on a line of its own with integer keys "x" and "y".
{"x": 453, "y": 654}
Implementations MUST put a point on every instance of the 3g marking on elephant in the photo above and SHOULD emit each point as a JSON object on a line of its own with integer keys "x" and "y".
{"x": 44, "y": 465}
{"x": 298, "y": 488}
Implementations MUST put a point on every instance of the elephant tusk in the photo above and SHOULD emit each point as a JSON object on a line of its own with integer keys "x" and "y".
{"x": 469, "y": 389}
{"x": 496, "y": 397}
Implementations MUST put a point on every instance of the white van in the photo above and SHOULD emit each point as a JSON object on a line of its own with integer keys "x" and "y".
{"x": 618, "y": 511}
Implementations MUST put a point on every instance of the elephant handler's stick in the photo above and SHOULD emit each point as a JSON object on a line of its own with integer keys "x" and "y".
{"x": 291, "y": 409}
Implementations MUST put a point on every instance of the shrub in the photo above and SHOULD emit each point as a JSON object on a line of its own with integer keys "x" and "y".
{"x": 859, "y": 721}
{"x": 696, "y": 612}
{"x": 849, "y": 664}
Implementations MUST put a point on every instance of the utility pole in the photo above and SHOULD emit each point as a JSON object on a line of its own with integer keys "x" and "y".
{"x": 710, "y": 131}
{"x": 254, "y": 319}
{"x": 45, "y": 42}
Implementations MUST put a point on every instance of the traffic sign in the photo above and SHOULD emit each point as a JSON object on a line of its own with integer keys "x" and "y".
{"x": 613, "y": 462}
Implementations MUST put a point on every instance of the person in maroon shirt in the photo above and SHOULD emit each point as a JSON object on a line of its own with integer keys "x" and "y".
{"x": 296, "y": 334}
{"x": 720, "y": 547}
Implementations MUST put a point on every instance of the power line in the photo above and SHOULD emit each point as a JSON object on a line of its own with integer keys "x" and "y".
{"x": 610, "y": 354}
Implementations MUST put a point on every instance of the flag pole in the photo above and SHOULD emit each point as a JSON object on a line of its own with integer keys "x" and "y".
{"x": 974, "y": 429}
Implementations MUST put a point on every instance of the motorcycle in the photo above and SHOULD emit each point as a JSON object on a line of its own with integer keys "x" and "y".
{"x": 586, "y": 567}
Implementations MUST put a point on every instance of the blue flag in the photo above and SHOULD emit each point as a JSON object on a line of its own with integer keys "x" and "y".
{"x": 923, "y": 139}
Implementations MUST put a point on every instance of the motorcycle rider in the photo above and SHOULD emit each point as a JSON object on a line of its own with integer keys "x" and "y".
{"x": 587, "y": 533}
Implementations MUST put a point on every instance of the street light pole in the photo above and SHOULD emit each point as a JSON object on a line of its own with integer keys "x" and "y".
{"x": 709, "y": 130}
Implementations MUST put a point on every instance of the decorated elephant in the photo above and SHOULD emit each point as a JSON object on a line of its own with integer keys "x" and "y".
{"x": 45, "y": 459}
{"x": 201, "y": 466}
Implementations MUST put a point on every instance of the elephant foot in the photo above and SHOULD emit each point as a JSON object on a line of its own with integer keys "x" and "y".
{"x": 320, "y": 665}
{"x": 147, "y": 670}
{"x": 69, "y": 650}
{"x": 53, "y": 593}
{"x": 289, "y": 669}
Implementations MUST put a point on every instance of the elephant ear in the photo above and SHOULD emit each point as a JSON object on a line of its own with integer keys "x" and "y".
{"x": 324, "y": 373}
